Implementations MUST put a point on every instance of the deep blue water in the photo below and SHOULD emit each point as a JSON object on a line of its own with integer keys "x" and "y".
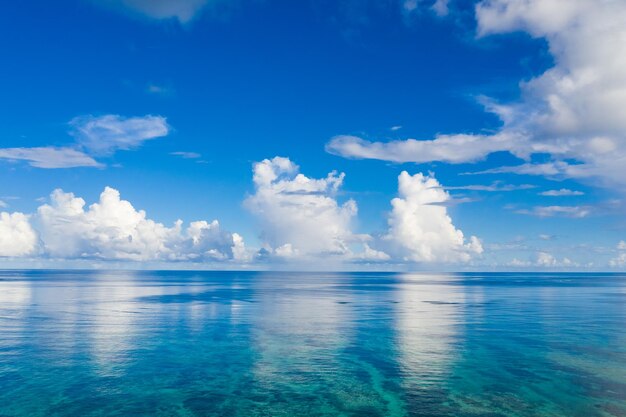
{"x": 78, "y": 343}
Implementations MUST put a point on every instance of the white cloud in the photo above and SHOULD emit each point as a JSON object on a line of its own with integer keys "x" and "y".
{"x": 445, "y": 148}
{"x": 50, "y": 157}
{"x": 112, "y": 229}
{"x": 103, "y": 135}
{"x": 300, "y": 216}
{"x": 440, "y": 7}
{"x": 576, "y": 110}
{"x": 547, "y": 260}
{"x": 94, "y": 136}
{"x": 545, "y": 236}
{"x": 3, "y": 204}
{"x": 420, "y": 228}
{"x": 17, "y": 237}
{"x": 557, "y": 211}
{"x": 563, "y": 192}
{"x": 620, "y": 259}
{"x": 186, "y": 155}
{"x": 183, "y": 10}
{"x": 496, "y": 186}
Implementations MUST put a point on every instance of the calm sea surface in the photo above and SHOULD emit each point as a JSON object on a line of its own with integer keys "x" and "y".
{"x": 311, "y": 344}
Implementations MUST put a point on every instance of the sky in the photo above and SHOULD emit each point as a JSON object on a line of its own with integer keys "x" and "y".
{"x": 319, "y": 134}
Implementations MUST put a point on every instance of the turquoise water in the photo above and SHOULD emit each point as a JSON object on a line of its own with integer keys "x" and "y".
{"x": 311, "y": 344}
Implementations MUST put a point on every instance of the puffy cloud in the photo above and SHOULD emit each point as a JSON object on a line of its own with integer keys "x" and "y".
{"x": 17, "y": 237}
{"x": 547, "y": 260}
{"x": 183, "y": 10}
{"x": 106, "y": 134}
{"x": 300, "y": 216}
{"x": 420, "y": 228}
{"x": 576, "y": 110}
{"x": 114, "y": 229}
{"x": 94, "y": 136}
{"x": 563, "y": 192}
{"x": 50, "y": 157}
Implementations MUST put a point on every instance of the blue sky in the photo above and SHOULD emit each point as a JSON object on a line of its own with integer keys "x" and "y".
{"x": 172, "y": 103}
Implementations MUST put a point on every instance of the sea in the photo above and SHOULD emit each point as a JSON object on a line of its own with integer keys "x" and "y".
{"x": 187, "y": 343}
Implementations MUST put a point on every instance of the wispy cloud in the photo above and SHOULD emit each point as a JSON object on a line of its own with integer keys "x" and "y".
{"x": 50, "y": 157}
{"x": 182, "y": 10}
{"x": 563, "y": 192}
{"x": 186, "y": 155}
{"x": 493, "y": 187}
{"x": 557, "y": 211}
{"x": 103, "y": 135}
{"x": 94, "y": 137}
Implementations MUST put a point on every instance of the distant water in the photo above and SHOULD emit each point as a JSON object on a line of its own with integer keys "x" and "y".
{"x": 311, "y": 344}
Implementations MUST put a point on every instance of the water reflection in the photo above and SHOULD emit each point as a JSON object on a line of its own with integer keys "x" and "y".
{"x": 251, "y": 344}
{"x": 428, "y": 324}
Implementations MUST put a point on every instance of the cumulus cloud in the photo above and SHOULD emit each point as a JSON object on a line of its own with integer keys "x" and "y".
{"x": 94, "y": 136}
{"x": 112, "y": 229}
{"x": 182, "y": 10}
{"x": 575, "y": 111}
{"x": 547, "y": 260}
{"x": 300, "y": 216}
{"x": 420, "y": 228}
{"x": 17, "y": 237}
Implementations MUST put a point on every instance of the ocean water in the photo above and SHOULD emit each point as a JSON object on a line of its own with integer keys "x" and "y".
{"x": 250, "y": 344}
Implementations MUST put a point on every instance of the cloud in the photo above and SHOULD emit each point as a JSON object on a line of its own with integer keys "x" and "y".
{"x": 574, "y": 111}
{"x": 186, "y": 155}
{"x": 112, "y": 229}
{"x": 445, "y": 148}
{"x": 576, "y": 212}
{"x": 159, "y": 90}
{"x": 3, "y": 204}
{"x": 547, "y": 260}
{"x": 50, "y": 157}
{"x": 182, "y": 10}
{"x": 17, "y": 237}
{"x": 496, "y": 186}
{"x": 94, "y": 136}
{"x": 620, "y": 259}
{"x": 563, "y": 192}
{"x": 103, "y": 135}
{"x": 420, "y": 229}
{"x": 300, "y": 216}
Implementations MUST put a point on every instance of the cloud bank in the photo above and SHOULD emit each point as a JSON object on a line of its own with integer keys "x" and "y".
{"x": 112, "y": 229}
{"x": 301, "y": 218}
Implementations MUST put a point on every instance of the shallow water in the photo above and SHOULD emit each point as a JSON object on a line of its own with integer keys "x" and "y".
{"x": 311, "y": 344}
